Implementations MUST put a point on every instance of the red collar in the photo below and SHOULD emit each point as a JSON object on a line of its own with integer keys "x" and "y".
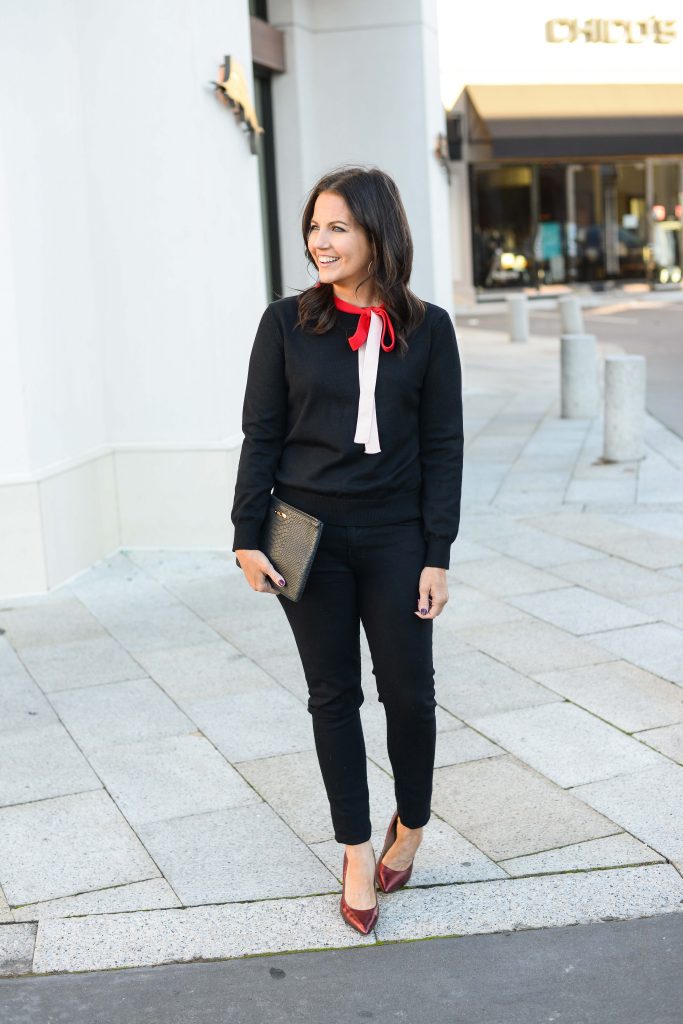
{"x": 361, "y": 333}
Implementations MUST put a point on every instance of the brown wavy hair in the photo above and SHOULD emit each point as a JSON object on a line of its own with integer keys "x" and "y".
{"x": 374, "y": 200}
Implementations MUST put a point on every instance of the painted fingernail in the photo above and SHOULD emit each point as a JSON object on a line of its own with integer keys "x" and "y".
{"x": 423, "y": 611}
{"x": 281, "y": 582}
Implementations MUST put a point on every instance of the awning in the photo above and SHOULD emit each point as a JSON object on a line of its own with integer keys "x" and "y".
{"x": 576, "y": 120}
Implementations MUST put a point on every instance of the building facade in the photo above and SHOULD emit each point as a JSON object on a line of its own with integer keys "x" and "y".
{"x": 144, "y": 225}
{"x": 566, "y": 145}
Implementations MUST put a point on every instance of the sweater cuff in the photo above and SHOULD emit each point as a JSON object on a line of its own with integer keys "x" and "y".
{"x": 247, "y": 536}
{"x": 438, "y": 552}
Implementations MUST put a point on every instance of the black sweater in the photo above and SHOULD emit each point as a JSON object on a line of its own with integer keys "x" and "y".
{"x": 299, "y": 421}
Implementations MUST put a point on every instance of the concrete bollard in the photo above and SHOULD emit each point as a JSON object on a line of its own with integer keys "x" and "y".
{"x": 518, "y": 317}
{"x": 571, "y": 315}
{"x": 580, "y": 395}
{"x": 624, "y": 408}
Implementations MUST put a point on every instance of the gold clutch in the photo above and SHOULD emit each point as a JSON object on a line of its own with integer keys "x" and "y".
{"x": 290, "y": 538}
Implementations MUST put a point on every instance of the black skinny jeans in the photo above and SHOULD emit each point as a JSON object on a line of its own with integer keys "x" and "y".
{"x": 368, "y": 574}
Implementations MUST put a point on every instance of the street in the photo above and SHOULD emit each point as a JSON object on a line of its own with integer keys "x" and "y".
{"x": 617, "y": 972}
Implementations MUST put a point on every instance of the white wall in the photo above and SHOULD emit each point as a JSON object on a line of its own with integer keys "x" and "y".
{"x": 132, "y": 279}
{"x": 48, "y": 312}
{"x": 362, "y": 86}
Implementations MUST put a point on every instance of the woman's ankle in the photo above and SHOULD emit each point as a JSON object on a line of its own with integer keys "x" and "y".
{"x": 401, "y": 827}
{"x": 358, "y": 849}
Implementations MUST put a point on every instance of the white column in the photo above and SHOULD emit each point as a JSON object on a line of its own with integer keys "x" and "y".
{"x": 571, "y": 316}
{"x": 518, "y": 317}
{"x": 578, "y": 376}
{"x": 386, "y": 114}
{"x": 625, "y": 378}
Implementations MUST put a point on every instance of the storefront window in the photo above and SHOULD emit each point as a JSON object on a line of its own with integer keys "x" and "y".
{"x": 666, "y": 215}
{"x": 556, "y": 223}
{"x": 503, "y": 239}
{"x": 550, "y": 260}
{"x": 586, "y": 231}
{"x": 630, "y": 225}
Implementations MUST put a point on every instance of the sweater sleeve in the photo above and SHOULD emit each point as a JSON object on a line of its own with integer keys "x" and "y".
{"x": 264, "y": 424}
{"x": 441, "y": 444}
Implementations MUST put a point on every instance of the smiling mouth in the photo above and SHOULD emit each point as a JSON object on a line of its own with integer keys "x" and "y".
{"x": 325, "y": 261}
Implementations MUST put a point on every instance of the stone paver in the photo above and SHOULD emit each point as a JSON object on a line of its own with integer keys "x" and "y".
{"x": 163, "y": 796}
{"x": 565, "y": 743}
{"x": 80, "y": 663}
{"x": 656, "y": 648}
{"x": 257, "y": 724}
{"x": 620, "y": 693}
{"x": 668, "y": 740}
{"x": 22, "y": 705}
{"x": 608, "y": 536}
{"x": 169, "y": 778}
{"x": 547, "y": 901}
{"x": 246, "y": 853}
{"x": 203, "y": 671}
{"x": 461, "y": 745}
{"x": 508, "y": 810}
{"x": 42, "y": 762}
{"x": 293, "y": 783}
{"x": 153, "y": 894}
{"x": 68, "y": 845}
{"x": 666, "y": 607}
{"x": 472, "y": 684}
{"x": 107, "y": 941}
{"x": 159, "y": 626}
{"x": 616, "y": 578}
{"x": 502, "y": 576}
{"x": 531, "y": 647}
{"x": 647, "y": 803}
{"x": 535, "y": 548}
{"x": 620, "y": 850}
{"x": 120, "y": 713}
{"x": 55, "y": 620}
{"x": 17, "y": 943}
{"x": 579, "y": 611}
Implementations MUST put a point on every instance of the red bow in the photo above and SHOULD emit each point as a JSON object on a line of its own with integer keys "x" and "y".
{"x": 360, "y": 336}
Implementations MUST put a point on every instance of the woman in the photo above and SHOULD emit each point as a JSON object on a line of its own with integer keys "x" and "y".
{"x": 353, "y": 413}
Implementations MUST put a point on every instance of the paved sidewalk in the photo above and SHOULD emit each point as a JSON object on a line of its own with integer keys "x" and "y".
{"x": 160, "y": 797}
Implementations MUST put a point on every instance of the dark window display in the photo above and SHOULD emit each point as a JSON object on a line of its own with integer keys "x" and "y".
{"x": 555, "y": 223}
{"x": 627, "y": 216}
{"x": 503, "y": 243}
{"x": 550, "y": 246}
{"x": 666, "y": 215}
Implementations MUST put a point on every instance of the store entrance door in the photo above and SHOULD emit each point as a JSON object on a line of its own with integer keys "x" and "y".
{"x": 606, "y": 223}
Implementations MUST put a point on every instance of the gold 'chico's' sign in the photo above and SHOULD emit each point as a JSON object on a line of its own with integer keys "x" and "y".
{"x": 610, "y": 30}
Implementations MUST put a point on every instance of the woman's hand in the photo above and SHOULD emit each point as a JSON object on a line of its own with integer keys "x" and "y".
{"x": 433, "y": 592}
{"x": 259, "y": 571}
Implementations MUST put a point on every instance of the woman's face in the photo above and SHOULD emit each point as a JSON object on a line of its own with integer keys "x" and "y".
{"x": 335, "y": 233}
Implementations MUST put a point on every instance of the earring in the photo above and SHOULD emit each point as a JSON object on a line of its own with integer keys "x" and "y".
{"x": 369, "y": 265}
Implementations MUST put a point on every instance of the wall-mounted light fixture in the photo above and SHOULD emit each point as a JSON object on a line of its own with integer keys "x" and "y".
{"x": 231, "y": 86}
{"x": 441, "y": 154}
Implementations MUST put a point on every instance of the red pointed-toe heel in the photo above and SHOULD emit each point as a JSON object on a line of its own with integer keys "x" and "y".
{"x": 388, "y": 879}
{"x": 362, "y": 920}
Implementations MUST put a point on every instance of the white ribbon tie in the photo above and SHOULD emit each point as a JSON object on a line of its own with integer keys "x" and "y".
{"x": 368, "y": 362}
